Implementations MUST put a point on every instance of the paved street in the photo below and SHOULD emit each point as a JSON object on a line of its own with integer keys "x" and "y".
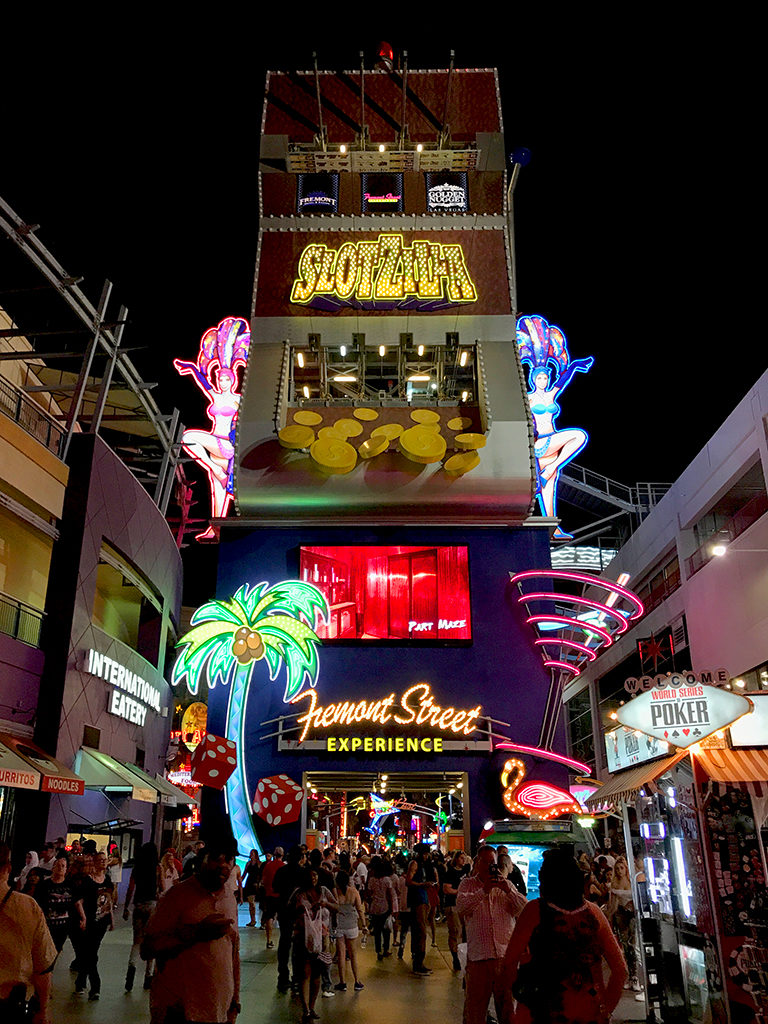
{"x": 391, "y": 992}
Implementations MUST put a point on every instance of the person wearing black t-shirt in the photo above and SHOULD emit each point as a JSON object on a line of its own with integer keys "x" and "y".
{"x": 95, "y": 898}
{"x": 458, "y": 869}
{"x": 56, "y": 896}
{"x": 284, "y": 883}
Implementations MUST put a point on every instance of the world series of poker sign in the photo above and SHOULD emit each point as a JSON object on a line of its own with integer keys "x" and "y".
{"x": 683, "y": 713}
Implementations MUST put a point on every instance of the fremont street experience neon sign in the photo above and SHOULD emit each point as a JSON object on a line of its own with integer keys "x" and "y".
{"x": 426, "y": 274}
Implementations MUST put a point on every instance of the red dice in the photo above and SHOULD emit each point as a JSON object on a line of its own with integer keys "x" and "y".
{"x": 213, "y": 761}
{"x": 278, "y": 800}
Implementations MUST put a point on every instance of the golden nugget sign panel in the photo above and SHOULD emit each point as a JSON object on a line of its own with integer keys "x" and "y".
{"x": 384, "y": 270}
{"x": 406, "y": 719}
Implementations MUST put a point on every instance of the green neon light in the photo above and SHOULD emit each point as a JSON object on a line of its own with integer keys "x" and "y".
{"x": 275, "y": 624}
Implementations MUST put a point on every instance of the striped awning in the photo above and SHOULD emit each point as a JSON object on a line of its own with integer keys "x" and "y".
{"x": 625, "y": 785}
{"x": 747, "y": 769}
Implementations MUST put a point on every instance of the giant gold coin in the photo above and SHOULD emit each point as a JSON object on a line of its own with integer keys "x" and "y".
{"x": 307, "y": 418}
{"x": 348, "y": 427}
{"x": 462, "y": 463}
{"x": 365, "y": 414}
{"x": 434, "y": 427}
{"x": 296, "y": 436}
{"x": 333, "y": 456}
{"x": 373, "y": 446}
{"x": 332, "y": 433}
{"x": 425, "y": 416}
{"x": 420, "y": 445}
{"x": 469, "y": 442}
{"x": 459, "y": 423}
{"x": 388, "y": 430}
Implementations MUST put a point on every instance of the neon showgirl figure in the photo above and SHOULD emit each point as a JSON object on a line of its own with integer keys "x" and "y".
{"x": 222, "y": 350}
{"x": 544, "y": 350}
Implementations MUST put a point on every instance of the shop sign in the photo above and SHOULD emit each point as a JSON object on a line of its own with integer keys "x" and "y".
{"x": 382, "y": 193}
{"x": 416, "y": 708}
{"x": 709, "y": 677}
{"x": 132, "y": 696}
{"x": 384, "y": 269}
{"x": 624, "y": 748}
{"x": 683, "y": 714}
{"x": 318, "y": 193}
{"x": 447, "y": 192}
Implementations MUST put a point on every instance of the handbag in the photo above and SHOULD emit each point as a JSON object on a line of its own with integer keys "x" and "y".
{"x": 16, "y": 1009}
{"x": 531, "y": 986}
{"x": 313, "y": 932}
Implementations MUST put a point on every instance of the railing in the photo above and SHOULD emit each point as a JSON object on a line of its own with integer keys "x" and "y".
{"x": 20, "y": 620}
{"x": 652, "y": 599}
{"x": 30, "y": 416}
{"x": 744, "y": 518}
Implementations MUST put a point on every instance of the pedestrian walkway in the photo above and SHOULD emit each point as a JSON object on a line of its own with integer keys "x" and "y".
{"x": 391, "y": 992}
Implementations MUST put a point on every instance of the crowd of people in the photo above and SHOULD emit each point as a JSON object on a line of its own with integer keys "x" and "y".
{"x": 525, "y": 961}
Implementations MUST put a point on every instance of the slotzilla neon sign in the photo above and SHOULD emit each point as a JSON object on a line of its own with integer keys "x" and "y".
{"x": 383, "y": 274}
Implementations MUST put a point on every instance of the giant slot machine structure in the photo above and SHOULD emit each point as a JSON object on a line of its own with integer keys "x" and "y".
{"x": 384, "y": 477}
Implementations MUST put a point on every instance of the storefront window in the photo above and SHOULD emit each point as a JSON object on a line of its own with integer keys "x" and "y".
{"x": 581, "y": 740}
{"x": 125, "y": 607}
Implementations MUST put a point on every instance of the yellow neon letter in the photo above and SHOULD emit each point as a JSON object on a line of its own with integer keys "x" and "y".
{"x": 346, "y": 270}
{"x": 460, "y": 286}
{"x": 366, "y": 258}
{"x": 308, "y": 271}
{"x": 388, "y": 286}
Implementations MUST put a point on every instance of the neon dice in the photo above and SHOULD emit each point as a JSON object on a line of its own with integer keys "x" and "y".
{"x": 278, "y": 800}
{"x": 213, "y": 761}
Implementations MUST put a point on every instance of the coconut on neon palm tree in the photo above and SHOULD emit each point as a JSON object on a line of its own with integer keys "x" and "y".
{"x": 274, "y": 624}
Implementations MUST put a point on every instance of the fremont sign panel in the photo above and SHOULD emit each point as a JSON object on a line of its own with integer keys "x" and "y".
{"x": 683, "y": 715}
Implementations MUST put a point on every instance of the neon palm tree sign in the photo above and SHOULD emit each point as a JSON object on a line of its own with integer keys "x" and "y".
{"x": 274, "y": 624}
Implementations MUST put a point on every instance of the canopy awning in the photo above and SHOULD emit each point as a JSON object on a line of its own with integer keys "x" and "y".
{"x": 175, "y": 792}
{"x": 625, "y": 785}
{"x": 15, "y": 771}
{"x": 52, "y": 776}
{"x": 100, "y": 771}
{"x": 747, "y": 769}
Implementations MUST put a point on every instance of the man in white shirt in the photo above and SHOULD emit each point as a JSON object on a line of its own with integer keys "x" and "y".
{"x": 47, "y": 858}
{"x": 27, "y": 952}
{"x": 488, "y": 905}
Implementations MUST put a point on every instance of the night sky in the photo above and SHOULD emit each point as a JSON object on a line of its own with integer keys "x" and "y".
{"x": 136, "y": 152}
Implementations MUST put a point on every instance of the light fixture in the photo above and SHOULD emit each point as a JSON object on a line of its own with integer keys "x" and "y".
{"x": 382, "y": 148}
{"x": 740, "y": 683}
{"x": 306, "y": 391}
{"x": 463, "y": 358}
{"x": 419, "y": 148}
{"x": 300, "y": 358}
{"x": 452, "y": 791}
{"x": 487, "y": 826}
{"x": 344, "y": 379}
{"x": 419, "y": 377}
{"x": 384, "y": 778}
{"x": 718, "y": 550}
{"x": 382, "y": 350}
{"x": 464, "y": 396}
{"x": 613, "y": 715}
{"x": 421, "y": 350}
{"x": 459, "y": 785}
{"x": 342, "y": 148}
{"x": 343, "y": 350}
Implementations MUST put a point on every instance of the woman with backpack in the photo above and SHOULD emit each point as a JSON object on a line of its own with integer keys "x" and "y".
{"x": 310, "y": 905}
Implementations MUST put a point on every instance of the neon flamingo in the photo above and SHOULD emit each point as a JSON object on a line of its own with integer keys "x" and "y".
{"x": 222, "y": 350}
{"x": 534, "y": 799}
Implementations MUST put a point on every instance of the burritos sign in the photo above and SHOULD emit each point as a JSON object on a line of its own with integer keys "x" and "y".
{"x": 683, "y": 714}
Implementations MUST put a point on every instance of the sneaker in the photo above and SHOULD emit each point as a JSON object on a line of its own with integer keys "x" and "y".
{"x": 270, "y": 945}
{"x": 635, "y": 985}
{"x": 359, "y": 986}
{"x": 93, "y": 996}
{"x": 639, "y": 997}
{"x": 421, "y": 970}
{"x": 251, "y": 924}
{"x": 341, "y": 987}
{"x": 388, "y": 953}
{"x": 328, "y": 993}
{"x": 79, "y": 989}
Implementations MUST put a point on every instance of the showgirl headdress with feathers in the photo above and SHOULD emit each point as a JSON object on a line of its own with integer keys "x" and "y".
{"x": 541, "y": 346}
{"x": 226, "y": 345}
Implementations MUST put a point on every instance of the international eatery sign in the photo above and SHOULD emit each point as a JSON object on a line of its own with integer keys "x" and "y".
{"x": 683, "y": 711}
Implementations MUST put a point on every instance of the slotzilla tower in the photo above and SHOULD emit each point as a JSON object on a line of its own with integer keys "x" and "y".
{"x": 384, "y": 452}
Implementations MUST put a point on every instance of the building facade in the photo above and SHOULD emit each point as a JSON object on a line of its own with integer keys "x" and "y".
{"x": 694, "y": 815}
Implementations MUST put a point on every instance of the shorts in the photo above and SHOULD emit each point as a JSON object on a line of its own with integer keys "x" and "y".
{"x": 347, "y": 933}
{"x": 268, "y": 908}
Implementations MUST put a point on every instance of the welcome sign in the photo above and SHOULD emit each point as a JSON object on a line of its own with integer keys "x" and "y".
{"x": 683, "y": 714}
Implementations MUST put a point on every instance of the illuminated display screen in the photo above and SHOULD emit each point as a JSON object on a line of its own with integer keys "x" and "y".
{"x": 382, "y": 193}
{"x": 414, "y": 593}
{"x": 624, "y": 748}
{"x": 317, "y": 193}
{"x": 529, "y": 859}
{"x": 447, "y": 191}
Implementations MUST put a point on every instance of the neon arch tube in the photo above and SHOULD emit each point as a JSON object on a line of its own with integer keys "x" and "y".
{"x": 588, "y": 627}
{"x": 549, "y": 755}
{"x": 622, "y": 624}
{"x": 564, "y": 665}
{"x": 580, "y": 577}
{"x": 589, "y": 651}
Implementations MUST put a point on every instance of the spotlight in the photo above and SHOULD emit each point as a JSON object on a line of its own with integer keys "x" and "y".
{"x": 382, "y": 148}
{"x": 382, "y": 350}
{"x": 342, "y": 148}
{"x": 464, "y": 396}
{"x": 421, "y": 350}
{"x": 306, "y": 391}
{"x": 343, "y": 350}
{"x": 718, "y": 550}
{"x": 463, "y": 358}
{"x": 300, "y": 358}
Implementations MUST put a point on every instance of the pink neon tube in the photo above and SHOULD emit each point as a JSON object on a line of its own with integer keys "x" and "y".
{"x": 589, "y": 651}
{"x": 588, "y": 627}
{"x": 549, "y": 755}
{"x": 563, "y": 665}
{"x": 622, "y": 624}
{"x": 580, "y": 577}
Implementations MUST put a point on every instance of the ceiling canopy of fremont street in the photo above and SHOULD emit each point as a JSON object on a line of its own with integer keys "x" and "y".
{"x": 683, "y": 712}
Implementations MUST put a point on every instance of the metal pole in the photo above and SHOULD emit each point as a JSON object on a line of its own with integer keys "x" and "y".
{"x": 511, "y": 231}
{"x": 319, "y": 103}
{"x": 160, "y": 486}
{"x": 77, "y": 398}
{"x": 403, "y": 129}
{"x": 444, "y": 126}
{"x": 362, "y": 100}
{"x": 109, "y": 369}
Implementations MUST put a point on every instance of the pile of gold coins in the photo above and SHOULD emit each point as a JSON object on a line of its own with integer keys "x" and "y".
{"x": 334, "y": 451}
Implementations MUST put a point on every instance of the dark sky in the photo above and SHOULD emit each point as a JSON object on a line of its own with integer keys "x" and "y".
{"x": 136, "y": 151}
